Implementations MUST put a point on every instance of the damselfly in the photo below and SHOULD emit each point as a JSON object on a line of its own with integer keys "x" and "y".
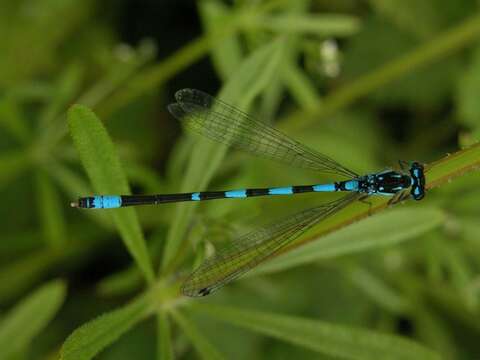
{"x": 228, "y": 125}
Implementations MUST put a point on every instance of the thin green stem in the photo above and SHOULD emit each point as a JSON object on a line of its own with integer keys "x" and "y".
{"x": 437, "y": 174}
{"x": 446, "y": 43}
{"x": 158, "y": 74}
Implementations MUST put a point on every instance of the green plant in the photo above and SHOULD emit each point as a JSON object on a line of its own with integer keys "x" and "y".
{"x": 400, "y": 284}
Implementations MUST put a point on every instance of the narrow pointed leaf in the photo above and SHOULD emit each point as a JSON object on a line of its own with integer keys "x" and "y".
{"x": 321, "y": 25}
{"x": 91, "y": 338}
{"x": 201, "y": 344}
{"x": 72, "y": 184}
{"x": 21, "y": 324}
{"x": 385, "y": 229}
{"x": 50, "y": 212}
{"x": 226, "y": 55}
{"x": 12, "y": 164}
{"x": 12, "y": 119}
{"x": 104, "y": 169}
{"x": 164, "y": 342}
{"x": 330, "y": 339}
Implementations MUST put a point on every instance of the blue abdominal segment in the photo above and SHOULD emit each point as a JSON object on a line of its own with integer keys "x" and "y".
{"x": 196, "y": 196}
{"x": 106, "y": 202}
{"x": 240, "y": 194}
{"x": 324, "y": 188}
{"x": 351, "y": 185}
{"x": 281, "y": 191}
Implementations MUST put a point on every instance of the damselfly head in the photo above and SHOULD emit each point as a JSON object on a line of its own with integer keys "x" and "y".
{"x": 418, "y": 181}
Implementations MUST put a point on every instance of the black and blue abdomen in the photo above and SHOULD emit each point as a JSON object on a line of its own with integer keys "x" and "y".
{"x": 387, "y": 182}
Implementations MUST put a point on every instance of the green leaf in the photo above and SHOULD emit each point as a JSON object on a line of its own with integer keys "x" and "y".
{"x": 129, "y": 280}
{"x": 152, "y": 77}
{"x": 103, "y": 167}
{"x": 20, "y": 242}
{"x": 453, "y": 166}
{"x": 450, "y": 41}
{"x": 20, "y": 274}
{"x": 293, "y": 77}
{"x": 29, "y": 317}
{"x": 164, "y": 342}
{"x": 271, "y": 99}
{"x": 12, "y": 119}
{"x": 12, "y": 164}
{"x": 434, "y": 14}
{"x": 385, "y": 229}
{"x": 405, "y": 14}
{"x": 330, "y": 339}
{"x": 320, "y": 25}
{"x": 34, "y": 38}
{"x": 119, "y": 73}
{"x": 145, "y": 177}
{"x": 436, "y": 332}
{"x": 468, "y": 87}
{"x": 377, "y": 289}
{"x": 66, "y": 87}
{"x": 50, "y": 211}
{"x": 73, "y": 185}
{"x": 249, "y": 80}
{"x": 428, "y": 86}
{"x": 300, "y": 86}
{"x": 445, "y": 298}
{"x": 121, "y": 282}
{"x": 204, "y": 348}
{"x": 227, "y": 54}
{"x": 120, "y": 69}
{"x": 91, "y": 338}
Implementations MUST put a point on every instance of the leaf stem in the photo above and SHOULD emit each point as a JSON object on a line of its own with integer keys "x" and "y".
{"x": 192, "y": 52}
{"x": 446, "y": 43}
{"x": 438, "y": 173}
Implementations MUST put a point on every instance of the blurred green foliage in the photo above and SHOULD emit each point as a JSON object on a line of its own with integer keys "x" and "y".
{"x": 366, "y": 82}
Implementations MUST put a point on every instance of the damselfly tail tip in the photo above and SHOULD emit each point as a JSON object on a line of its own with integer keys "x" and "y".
{"x": 74, "y": 204}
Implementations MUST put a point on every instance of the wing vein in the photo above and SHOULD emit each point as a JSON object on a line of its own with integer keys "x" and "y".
{"x": 226, "y": 124}
{"x": 249, "y": 250}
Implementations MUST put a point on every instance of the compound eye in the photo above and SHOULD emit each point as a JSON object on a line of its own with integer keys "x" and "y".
{"x": 417, "y": 193}
{"x": 417, "y": 165}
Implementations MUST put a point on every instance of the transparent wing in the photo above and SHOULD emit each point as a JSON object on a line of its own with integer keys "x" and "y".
{"x": 226, "y": 124}
{"x": 249, "y": 250}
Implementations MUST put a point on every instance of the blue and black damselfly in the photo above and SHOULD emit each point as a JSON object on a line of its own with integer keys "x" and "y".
{"x": 228, "y": 125}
